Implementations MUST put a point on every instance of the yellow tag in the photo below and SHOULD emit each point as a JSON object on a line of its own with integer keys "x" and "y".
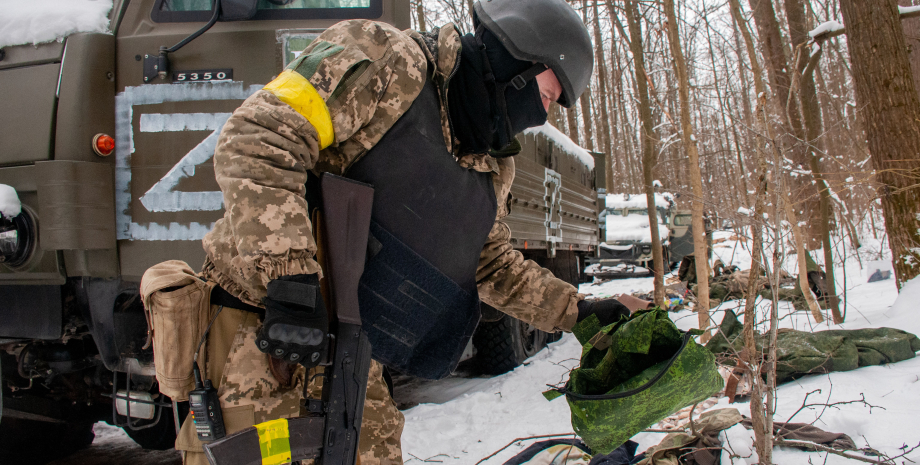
{"x": 274, "y": 442}
{"x": 296, "y": 91}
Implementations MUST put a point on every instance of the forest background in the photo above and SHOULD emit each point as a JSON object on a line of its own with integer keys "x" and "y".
{"x": 762, "y": 104}
{"x": 797, "y": 121}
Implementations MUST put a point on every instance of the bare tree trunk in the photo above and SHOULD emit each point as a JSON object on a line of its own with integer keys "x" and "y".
{"x": 700, "y": 248}
{"x": 912, "y": 36}
{"x": 742, "y": 199}
{"x": 649, "y": 142}
{"x": 585, "y": 100}
{"x": 554, "y": 117}
{"x": 585, "y": 105}
{"x": 762, "y": 423}
{"x": 800, "y": 255}
{"x": 420, "y": 15}
{"x": 885, "y": 88}
{"x": 814, "y": 129}
{"x": 601, "y": 65}
{"x": 777, "y": 70}
{"x": 572, "y": 124}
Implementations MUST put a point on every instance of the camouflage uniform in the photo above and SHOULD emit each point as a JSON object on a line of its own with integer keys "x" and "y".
{"x": 368, "y": 74}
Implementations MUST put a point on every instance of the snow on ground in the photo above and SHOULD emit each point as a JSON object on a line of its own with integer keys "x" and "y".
{"x": 469, "y": 428}
{"x": 38, "y": 21}
{"x": 113, "y": 447}
{"x": 469, "y": 419}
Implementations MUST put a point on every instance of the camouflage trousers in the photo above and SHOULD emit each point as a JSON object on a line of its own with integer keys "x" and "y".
{"x": 250, "y": 394}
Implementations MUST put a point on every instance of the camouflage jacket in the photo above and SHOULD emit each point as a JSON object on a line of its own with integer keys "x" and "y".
{"x": 367, "y": 74}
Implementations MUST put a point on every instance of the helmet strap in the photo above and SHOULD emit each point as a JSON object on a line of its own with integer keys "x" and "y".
{"x": 521, "y": 80}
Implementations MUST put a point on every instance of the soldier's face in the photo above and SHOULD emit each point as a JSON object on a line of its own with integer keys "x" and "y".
{"x": 550, "y": 89}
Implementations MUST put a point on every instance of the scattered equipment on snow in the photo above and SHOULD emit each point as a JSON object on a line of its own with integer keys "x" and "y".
{"x": 634, "y": 373}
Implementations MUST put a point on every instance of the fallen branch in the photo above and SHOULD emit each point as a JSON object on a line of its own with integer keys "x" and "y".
{"x": 825, "y": 405}
{"x": 493, "y": 454}
{"x": 822, "y": 448}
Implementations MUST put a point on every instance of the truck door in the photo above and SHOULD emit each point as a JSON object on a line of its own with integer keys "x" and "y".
{"x": 167, "y": 128}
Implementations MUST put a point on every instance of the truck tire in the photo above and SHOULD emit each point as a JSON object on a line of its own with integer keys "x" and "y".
{"x": 503, "y": 345}
{"x": 26, "y": 442}
{"x": 564, "y": 266}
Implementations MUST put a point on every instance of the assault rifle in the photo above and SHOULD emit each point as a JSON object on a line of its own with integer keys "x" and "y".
{"x": 329, "y": 428}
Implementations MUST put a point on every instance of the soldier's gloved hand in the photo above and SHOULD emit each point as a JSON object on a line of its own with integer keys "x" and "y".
{"x": 608, "y": 310}
{"x": 296, "y": 327}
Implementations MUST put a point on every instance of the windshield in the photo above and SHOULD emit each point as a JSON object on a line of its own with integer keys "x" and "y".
{"x": 200, "y": 10}
{"x": 205, "y": 5}
{"x": 682, "y": 220}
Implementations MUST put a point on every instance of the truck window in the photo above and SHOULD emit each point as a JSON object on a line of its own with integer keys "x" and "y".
{"x": 682, "y": 220}
{"x": 200, "y": 10}
{"x": 205, "y": 5}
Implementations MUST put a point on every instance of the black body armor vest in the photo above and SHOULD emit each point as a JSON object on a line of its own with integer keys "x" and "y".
{"x": 431, "y": 218}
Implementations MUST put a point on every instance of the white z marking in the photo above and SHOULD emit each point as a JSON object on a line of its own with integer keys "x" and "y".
{"x": 162, "y": 197}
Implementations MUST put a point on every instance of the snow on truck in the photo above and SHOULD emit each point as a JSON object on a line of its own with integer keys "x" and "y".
{"x": 107, "y": 140}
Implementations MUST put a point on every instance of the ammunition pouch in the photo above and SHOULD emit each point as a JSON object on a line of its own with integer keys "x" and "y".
{"x": 177, "y": 304}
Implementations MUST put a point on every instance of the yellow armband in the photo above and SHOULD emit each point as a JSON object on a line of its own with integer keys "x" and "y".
{"x": 296, "y": 91}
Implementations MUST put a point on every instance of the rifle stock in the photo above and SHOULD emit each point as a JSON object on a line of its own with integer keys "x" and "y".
{"x": 332, "y": 434}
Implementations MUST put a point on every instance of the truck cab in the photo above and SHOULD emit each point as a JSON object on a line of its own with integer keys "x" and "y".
{"x": 627, "y": 234}
{"x": 108, "y": 148}
{"x": 109, "y": 125}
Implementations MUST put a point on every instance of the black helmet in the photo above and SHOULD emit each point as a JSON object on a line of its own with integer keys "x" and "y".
{"x": 545, "y": 31}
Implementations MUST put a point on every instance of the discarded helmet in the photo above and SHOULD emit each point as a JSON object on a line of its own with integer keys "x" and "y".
{"x": 524, "y": 26}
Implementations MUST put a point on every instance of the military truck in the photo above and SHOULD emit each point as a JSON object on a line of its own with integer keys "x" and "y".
{"x": 625, "y": 227}
{"x": 553, "y": 222}
{"x": 627, "y": 235}
{"x": 107, "y": 139}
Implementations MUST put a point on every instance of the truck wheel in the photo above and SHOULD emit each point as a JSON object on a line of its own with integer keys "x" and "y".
{"x": 36, "y": 442}
{"x": 504, "y": 344}
{"x": 564, "y": 266}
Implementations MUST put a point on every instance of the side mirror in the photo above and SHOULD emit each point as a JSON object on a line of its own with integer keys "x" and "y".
{"x": 157, "y": 66}
{"x": 237, "y": 10}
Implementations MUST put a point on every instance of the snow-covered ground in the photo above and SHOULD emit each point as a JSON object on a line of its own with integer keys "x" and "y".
{"x": 469, "y": 428}
{"x": 466, "y": 420}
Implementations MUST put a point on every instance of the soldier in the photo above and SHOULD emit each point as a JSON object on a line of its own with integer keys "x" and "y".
{"x": 429, "y": 119}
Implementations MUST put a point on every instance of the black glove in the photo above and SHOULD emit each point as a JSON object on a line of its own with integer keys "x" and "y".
{"x": 296, "y": 327}
{"x": 608, "y": 310}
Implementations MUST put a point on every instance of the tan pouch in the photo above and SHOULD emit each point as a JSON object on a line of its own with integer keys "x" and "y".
{"x": 178, "y": 307}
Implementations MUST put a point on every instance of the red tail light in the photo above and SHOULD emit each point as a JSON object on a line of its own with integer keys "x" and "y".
{"x": 103, "y": 145}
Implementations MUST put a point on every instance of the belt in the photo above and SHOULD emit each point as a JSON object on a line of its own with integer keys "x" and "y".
{"x": 219, "y": 296}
